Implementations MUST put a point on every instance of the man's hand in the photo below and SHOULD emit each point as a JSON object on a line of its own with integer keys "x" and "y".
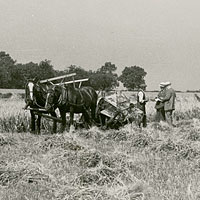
{"x": 157, "y": 99}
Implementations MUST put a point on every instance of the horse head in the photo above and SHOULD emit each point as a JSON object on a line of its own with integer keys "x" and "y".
{"x": 29, "y": 97}
{"x": 53, "y": 95}
{"x": 35, "y": 93}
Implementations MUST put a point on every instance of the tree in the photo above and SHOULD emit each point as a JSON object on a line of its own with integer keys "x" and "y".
{"x": 21, "y": 72}
{"x": 17, "y": 81}
{"x": 80, "y": 72}
{"x": 132, "y": 77}
{"x": 6, "y": 65}
{"x": 108, "y": 68}
{"x": 45, "y": 70}
{"x": 104, "y": 78}
{"x": 14, "y": 75}
{"x": 29, "y": 70}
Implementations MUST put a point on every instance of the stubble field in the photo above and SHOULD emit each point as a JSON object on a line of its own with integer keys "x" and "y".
{"x": 158, "y": 162}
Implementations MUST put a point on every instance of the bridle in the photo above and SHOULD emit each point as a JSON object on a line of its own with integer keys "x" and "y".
{"x": 33, "y": 99}
{"x": 48, "y": 94}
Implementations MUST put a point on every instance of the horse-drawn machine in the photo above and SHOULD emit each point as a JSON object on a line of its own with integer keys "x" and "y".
{"x": 36, "y": 93}
{"x": 44, "y": 97}
{"x": 116, "y": 110}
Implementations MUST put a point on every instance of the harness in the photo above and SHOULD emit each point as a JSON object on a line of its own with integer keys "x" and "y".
{"x": 63, "y": 99}
{"x": 35, "y": 102}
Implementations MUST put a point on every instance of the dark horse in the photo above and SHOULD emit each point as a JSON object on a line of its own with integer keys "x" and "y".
{"x": 72, "y": 100}
{"x": 35, "y": 97}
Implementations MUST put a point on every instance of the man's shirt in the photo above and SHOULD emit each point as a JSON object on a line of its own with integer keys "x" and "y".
{"x": 141, "y": 97}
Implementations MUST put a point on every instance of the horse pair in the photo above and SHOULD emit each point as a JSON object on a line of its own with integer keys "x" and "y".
{"x": 65, "y": 98}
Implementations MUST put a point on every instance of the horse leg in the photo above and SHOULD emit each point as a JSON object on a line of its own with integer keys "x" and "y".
{"x": 71, "y": 122}
{"x": 32, "y": 122}
{"x": 38, "y": 124}
{"x": 53, "y": 114}
{"x": 63, "y": 123}
{"x": 93, "y": 113}
{"x": 86, "y": 118}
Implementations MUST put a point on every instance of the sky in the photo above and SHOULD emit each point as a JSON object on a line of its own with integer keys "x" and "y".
{"x": 161, "y": 36}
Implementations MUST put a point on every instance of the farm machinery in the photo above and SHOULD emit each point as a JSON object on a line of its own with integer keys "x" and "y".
{"x": 116, "y": 110}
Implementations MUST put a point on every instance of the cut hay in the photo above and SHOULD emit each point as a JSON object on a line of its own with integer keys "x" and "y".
{"x": 56, "y": 141}
{"x": 117, "y": 135}
{"x": 141, "y": 140}
{"x": 180, "y": 149}
{"x": 8, "y": 177}
{"x": 93, "y": 133}
{"x": 29, "y": 174}
{"x": 101, "y": 176}
{"x": 89, "y": 158}
{"x": 193, "y": 135}
{"x": 161, "y": 126}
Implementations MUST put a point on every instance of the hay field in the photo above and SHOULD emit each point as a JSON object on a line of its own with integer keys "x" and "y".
{"x": 156, "y": 163}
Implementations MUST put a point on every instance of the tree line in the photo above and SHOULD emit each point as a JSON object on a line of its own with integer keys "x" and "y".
{"x": 14, "y": 75}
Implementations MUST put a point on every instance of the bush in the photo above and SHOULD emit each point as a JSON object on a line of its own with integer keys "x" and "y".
{"x": 6, "y": 95}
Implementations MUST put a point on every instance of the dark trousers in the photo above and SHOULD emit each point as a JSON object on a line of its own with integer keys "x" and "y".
{"x": 142, "y": 107}
{"x": 168, "y": 114}
{"x": 144, "y": 120}
{"x": 160, "y": 115}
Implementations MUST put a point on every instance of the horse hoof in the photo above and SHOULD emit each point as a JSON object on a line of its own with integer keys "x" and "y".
{"x": 33, "y": 132}
{"x": 72, "y": 129}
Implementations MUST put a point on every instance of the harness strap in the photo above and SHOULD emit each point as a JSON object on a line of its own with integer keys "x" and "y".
{"x": 75, "y": 104}
{"x": 35, "y": 102}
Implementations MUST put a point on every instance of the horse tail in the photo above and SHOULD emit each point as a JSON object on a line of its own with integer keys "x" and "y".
{"x": 94, "y": 102}
{"x": 92, "y": 95}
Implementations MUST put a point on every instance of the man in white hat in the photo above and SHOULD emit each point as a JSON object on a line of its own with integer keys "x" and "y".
{"x": 169, "y": 102}
{"x": 159, "y": 106}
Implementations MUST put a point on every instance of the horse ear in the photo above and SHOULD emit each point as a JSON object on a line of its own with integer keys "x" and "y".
{"x": 36, "y": 80}
{"x": 49, "y": 85}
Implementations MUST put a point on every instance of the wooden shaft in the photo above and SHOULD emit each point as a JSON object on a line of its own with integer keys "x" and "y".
{"x": 58, "y": 77}
{"x": 49, "y": 117}
{"x": 75, "y": 81}
{"x": 37, "y": 109}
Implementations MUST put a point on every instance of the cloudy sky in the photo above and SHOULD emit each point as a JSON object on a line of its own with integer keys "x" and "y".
{"x": 162, "y": 36}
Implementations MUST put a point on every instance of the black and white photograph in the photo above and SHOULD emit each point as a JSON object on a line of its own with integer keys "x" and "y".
{"x": 99, "y": 100}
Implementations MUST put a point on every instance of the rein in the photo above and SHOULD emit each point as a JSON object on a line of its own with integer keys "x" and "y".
{"x": 35, "y": 102}
{"x": 41, "y": 94}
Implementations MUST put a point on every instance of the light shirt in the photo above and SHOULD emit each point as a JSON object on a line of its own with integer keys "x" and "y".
{"x": 141, "y": 96}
